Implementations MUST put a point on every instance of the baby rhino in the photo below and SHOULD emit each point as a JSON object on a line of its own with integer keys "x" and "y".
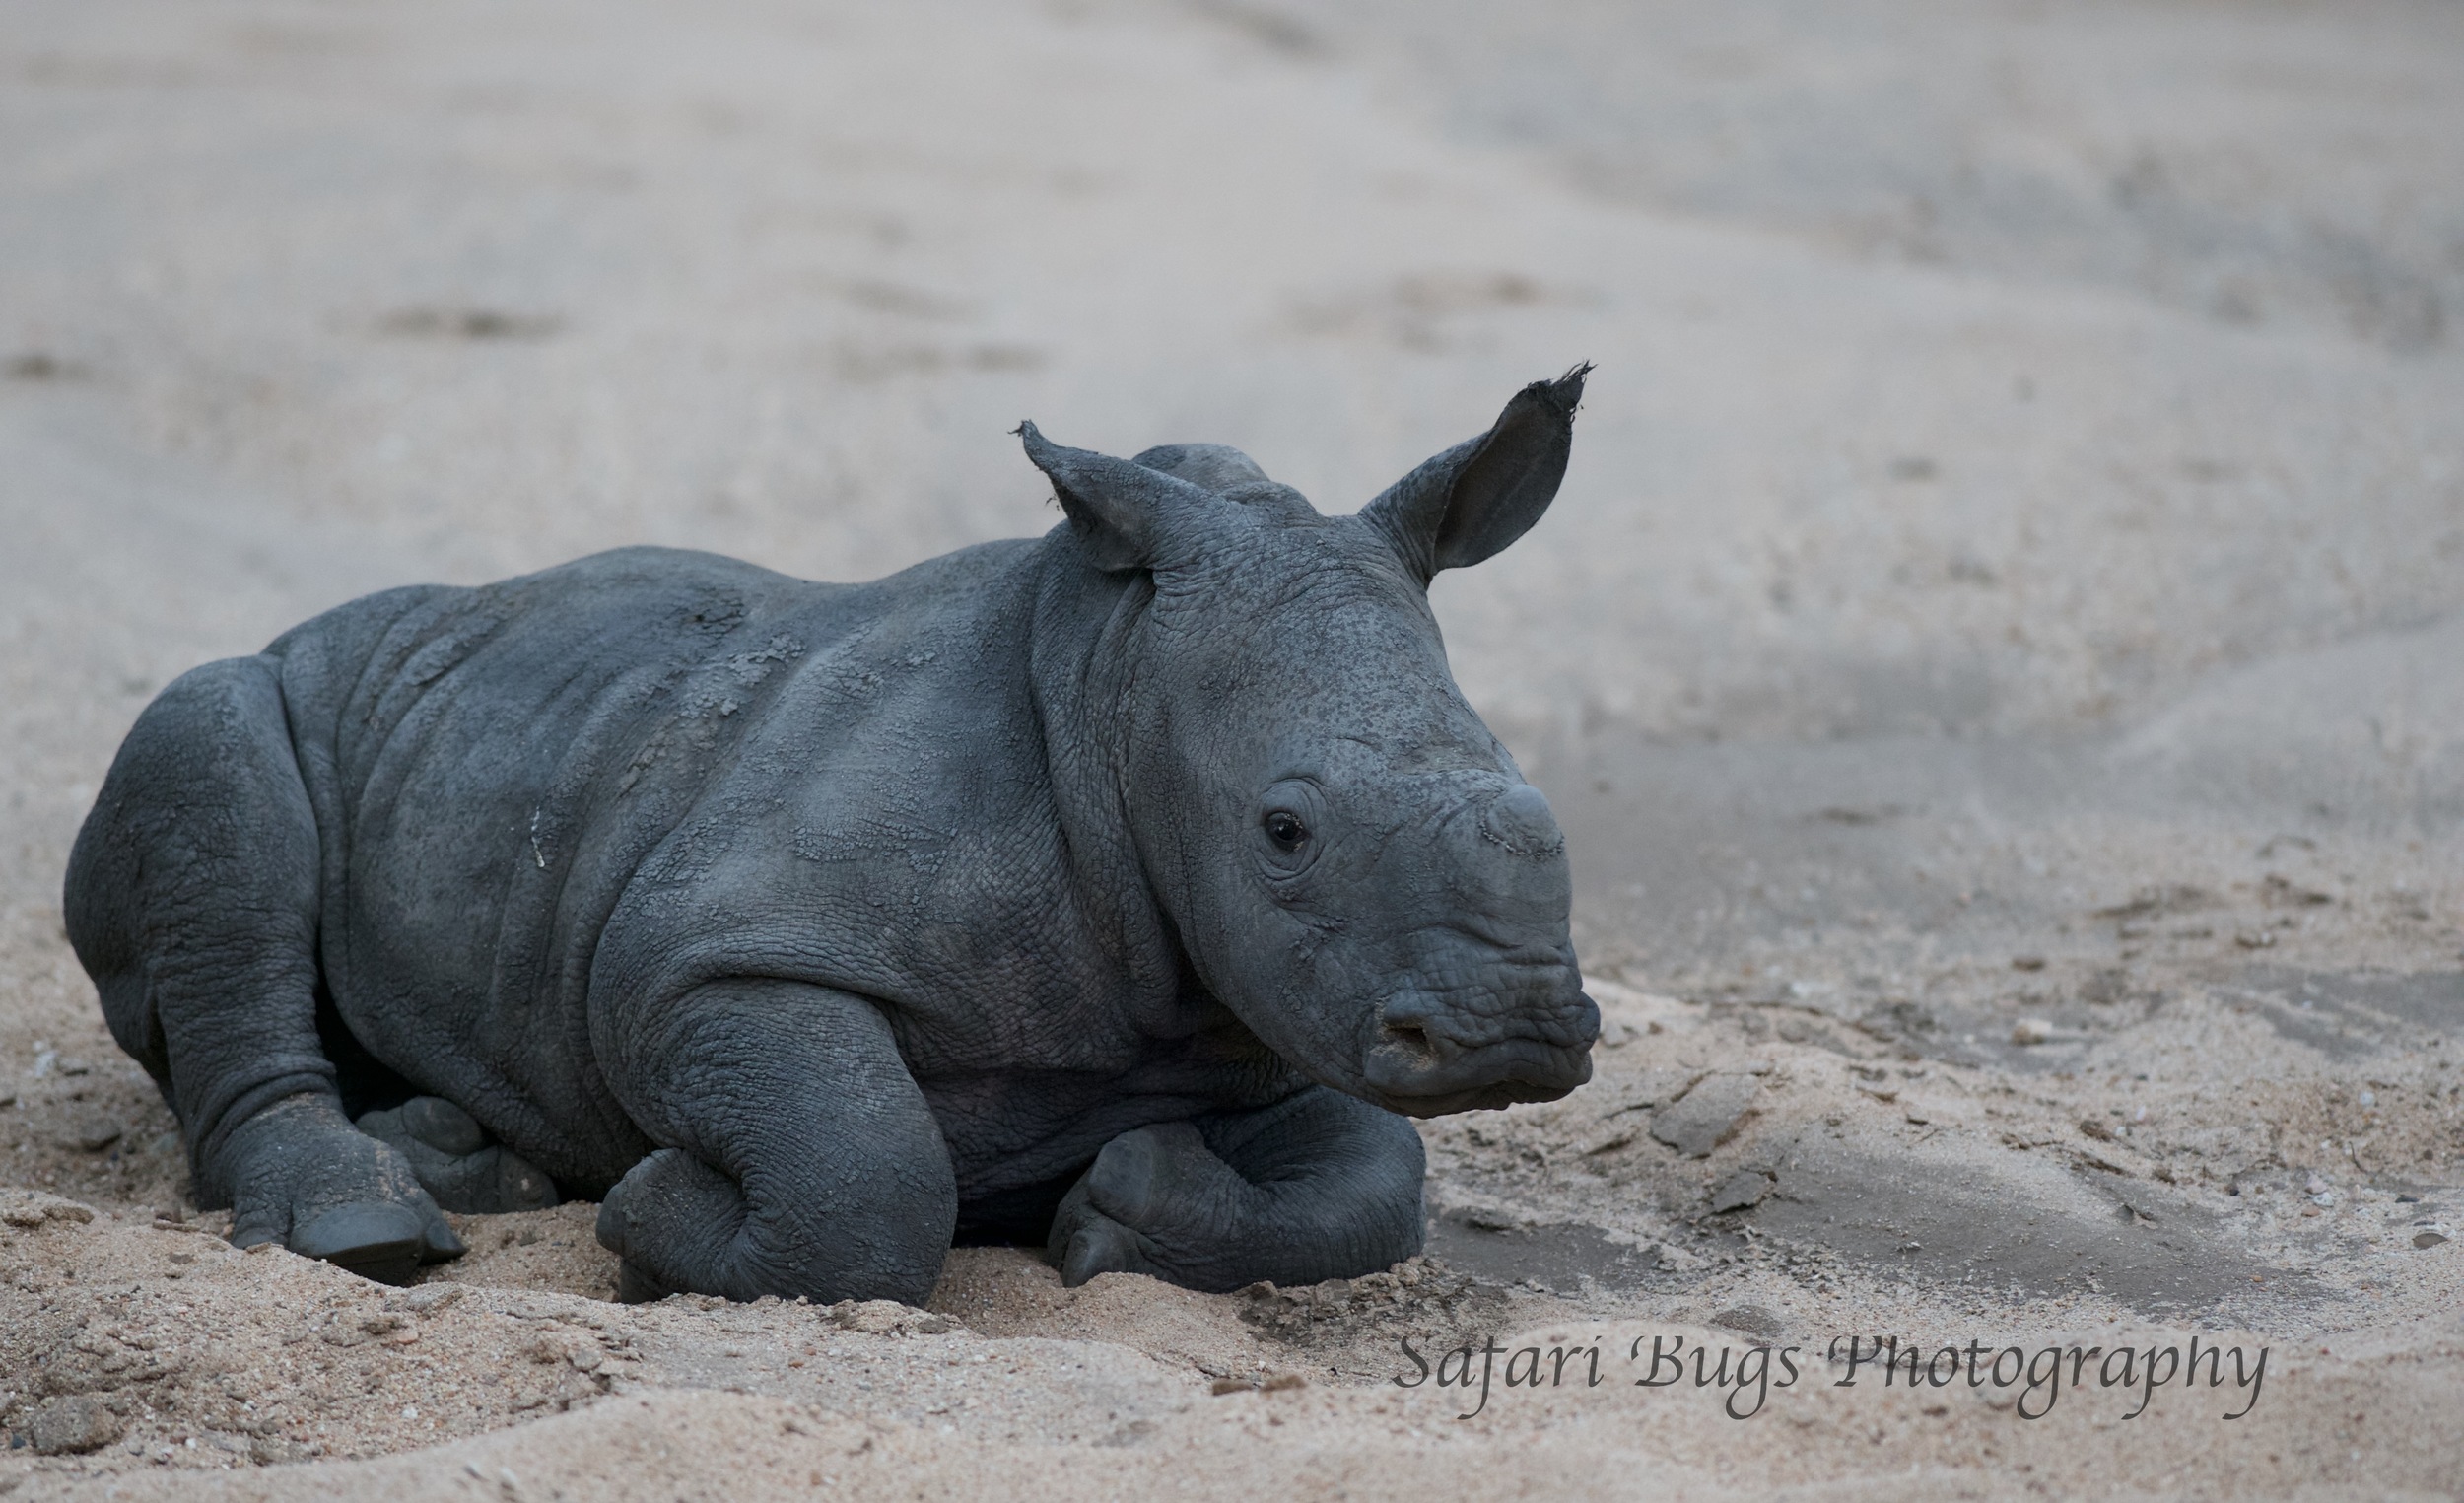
{"x": 1122, "y": 891}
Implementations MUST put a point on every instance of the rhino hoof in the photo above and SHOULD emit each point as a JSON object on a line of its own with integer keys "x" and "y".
{"x": 635, "y": 1287}
{"x": 1101, "y": 1247}
{"x": 373, "y": 1239}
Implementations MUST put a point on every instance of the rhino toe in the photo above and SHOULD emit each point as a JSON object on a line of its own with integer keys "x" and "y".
{"x": 457, "y": 1163}
{"x": 442, "y": 1126}
{"x": 375, "y": 1239}
{"x": 1102, "y": 1246}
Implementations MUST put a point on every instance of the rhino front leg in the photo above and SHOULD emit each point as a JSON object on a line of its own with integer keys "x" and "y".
{"x": 799, "y": 1157}
{"x": 1319, "y": 1185}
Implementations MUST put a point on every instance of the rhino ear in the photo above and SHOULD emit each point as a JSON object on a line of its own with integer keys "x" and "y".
{"x": 1476, "y": 498}
{"x": 1120, "y": 512}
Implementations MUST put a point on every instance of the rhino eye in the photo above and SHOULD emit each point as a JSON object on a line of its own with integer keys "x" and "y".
{"x": 1284, "y": 827}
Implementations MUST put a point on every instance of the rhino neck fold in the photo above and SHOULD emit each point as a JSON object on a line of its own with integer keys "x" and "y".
{"x": 1081, "y": 661}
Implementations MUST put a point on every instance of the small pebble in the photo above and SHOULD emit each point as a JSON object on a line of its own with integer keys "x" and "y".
{"x": 74, "y": 1425}
{"x": 1741, "y": 1191}
{"x": 95, "y": 1133}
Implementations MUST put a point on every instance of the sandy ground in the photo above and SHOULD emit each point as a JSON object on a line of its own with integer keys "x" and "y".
{"x": 1999, "y": 656}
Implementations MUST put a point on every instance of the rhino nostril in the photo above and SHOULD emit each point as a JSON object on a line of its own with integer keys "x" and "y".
{"x": 1409, "y": 1035}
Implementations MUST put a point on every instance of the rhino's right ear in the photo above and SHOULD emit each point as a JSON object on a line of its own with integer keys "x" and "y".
{"x": 1483, "y": 494}
{"x": 1120, "y": 512}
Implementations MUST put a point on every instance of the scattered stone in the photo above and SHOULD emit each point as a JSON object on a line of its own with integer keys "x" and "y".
{"x": 2426, "y": 1239}
{"x": 2028, "y": 962}
{"x": 2029, "y": 1031}
{"x": 2177, "y": 897}
{"x": 74, "y": 1425}
{"x": 1706, "y": 1116}
{"x": 2279, "y": 892}
{"x": 1741, "y": 1191}
{"x": 41, "y": 365}
{"x": 427, "y": 1299}
{"x": 276, "y": 1451}
{"x": 2088, "y": 1126}
{"x": 2105, "y": 987}
{"x": 70, "y": 1065}
{"x": 1262, "y": 1383}
{"x": 1674, "y": 1260}
{"x": 1753, "y": 1320}
{"x": 95, "y": 1132}
{"x": 887, "y": 1316}
{"x": 26, "y": 1208}
{"x": 1659, "y": 1087}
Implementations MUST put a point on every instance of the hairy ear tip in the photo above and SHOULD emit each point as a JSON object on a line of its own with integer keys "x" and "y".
{"x": 1565, "y": 393}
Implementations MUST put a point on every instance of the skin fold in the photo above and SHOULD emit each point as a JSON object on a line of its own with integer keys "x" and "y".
{"x": 1122, "y": 890}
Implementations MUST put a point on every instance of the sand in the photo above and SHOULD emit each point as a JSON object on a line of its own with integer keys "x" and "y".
{"x": 1999, "y": 656}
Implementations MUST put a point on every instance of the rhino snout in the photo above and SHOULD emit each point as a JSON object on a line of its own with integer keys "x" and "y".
{"x": 1429, "y": 1053}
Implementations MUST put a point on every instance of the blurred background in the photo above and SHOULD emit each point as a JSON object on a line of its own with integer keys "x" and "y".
{"x": 2023, "y": 466}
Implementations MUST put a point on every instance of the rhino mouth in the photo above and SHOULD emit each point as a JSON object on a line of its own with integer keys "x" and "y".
{"x": 1425, "y": 1059}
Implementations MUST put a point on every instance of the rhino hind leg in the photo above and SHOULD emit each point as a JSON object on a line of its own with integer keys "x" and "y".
{"x": 192, "y": 902}
{"x": 1319, "y": 1185}
{"x": 457, "y": 1162}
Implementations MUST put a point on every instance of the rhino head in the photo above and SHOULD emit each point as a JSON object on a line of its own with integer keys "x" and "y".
{"x": 1351, "y": 862}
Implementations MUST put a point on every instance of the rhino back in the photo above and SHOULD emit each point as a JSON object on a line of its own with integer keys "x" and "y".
{"x": 492, "y": 766}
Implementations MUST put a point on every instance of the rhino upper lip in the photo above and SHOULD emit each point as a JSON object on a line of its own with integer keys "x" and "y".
{"x": 1414, "y": 1069}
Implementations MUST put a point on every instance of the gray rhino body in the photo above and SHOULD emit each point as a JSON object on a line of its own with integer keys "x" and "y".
{"x": 1118, "y": 887}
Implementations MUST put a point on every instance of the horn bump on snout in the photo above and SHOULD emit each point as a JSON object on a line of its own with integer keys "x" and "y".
{"x": 1520, "y": 820}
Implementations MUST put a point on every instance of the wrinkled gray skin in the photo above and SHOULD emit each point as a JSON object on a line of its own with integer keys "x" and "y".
{"x": 1120, "y": 885}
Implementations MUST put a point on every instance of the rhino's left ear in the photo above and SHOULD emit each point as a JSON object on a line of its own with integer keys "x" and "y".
{"x": 1476, "y": 498}
{"x": 1120, "y": 512}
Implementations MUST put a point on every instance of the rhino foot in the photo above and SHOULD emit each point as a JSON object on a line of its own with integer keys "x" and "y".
{"x": 454, "y": 1160}
{"x": 300, "y": 1175}
{"x": 1319, "y": 1185}
{"x": 1156, "y": 1201}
